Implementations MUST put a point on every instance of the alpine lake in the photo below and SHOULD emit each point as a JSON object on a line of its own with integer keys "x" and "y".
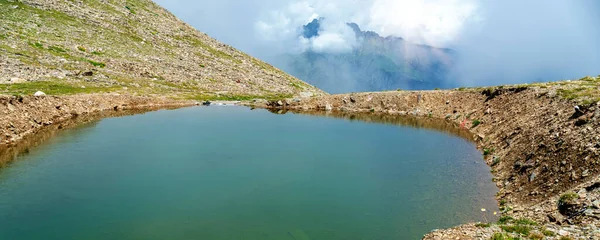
{"x": 232, "y": 172}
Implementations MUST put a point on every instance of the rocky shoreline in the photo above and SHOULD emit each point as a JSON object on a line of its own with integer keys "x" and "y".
{"x": 541, "y": 147}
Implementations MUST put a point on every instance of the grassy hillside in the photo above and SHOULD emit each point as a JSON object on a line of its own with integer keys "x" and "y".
{"x": 133, "y": 46}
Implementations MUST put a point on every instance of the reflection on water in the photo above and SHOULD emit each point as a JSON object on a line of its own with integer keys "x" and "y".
{"x": 11, "y": 152}
{"x": 382, "y": 118}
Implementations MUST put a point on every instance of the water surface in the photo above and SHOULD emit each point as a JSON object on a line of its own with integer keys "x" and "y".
{"x": 234, "y": 173}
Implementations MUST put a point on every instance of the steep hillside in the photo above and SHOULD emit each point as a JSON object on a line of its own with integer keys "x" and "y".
{"x": 125, "y": 46}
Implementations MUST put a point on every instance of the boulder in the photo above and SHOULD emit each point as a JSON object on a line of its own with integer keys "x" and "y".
{"x": 306, "y": 94}
{"x": 570, "y": 206}
{"x": 39, "y": 93}
{"x": 17, "y": 80}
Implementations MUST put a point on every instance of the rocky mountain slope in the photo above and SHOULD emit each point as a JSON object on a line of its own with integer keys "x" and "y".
{"x": 125, "y": 46}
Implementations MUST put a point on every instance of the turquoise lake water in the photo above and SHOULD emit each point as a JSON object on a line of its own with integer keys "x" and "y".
{"x": 236, "y": 173}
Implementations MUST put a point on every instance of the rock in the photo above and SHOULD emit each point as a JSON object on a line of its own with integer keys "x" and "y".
{"x": 563, "y": 233}
{"x": 585, "y": 173}
{"x": 571, "y": 208}
{"x": 593, "y": 187}
{"x": 39, "y": 93}
{"x": 17, "y": 80}
{"x": 532, "y": 177}
{"x": 87, "y": 74}
{"x": 551, "y": 217}
{"x": 352, "y": 99}
{"x": 582, "y": 193}
{"x": 581, "y": 122}
{"x": 279, "y": 103}
{"x": 306, "y": 94}
{"x": 589, "y": 212}
{"x": 328, "y": 107}
{"x": 596, "y": 204}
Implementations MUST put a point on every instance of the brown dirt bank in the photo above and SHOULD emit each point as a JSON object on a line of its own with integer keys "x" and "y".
{"x": 538, "y": 143}
{"x": 27, "y": 121}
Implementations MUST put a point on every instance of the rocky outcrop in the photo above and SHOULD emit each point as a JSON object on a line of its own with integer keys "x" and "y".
{"x": 539, "y": 144}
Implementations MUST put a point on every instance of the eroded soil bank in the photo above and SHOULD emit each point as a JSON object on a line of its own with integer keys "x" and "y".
{"x": 29, "y": 120}
{"x": 540, "y": 146}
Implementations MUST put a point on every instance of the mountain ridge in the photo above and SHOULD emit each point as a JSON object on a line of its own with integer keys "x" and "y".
{"x": 376, "y": 63}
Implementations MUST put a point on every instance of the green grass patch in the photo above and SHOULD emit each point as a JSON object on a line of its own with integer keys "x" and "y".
{"x": 548, "y": 233}
{"x": 505, "y": 219}
{"x": 520, "y": 229}
{"x": 97, "y": 53}
{"x": 130, "y": 9}
{"x": 475, "y": 123}
{"x": 296, "y": 85}
{"x": 81, "y": 48}
{"x": 568, "y": 197}
{"x": 482, "y": 225}
{"x": 195, "y": 41}
{"x": 50, "y": 88}
{"x": 525, "y": 221}
{"x": 502, "y": 236}
{"x": 488, "y": 151}
{"x": 94, "y": 63}
{"x": 57, "y": 49}
{"x": 37, "y": 45}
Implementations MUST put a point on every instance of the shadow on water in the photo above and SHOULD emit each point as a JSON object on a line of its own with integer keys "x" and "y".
{"x": 382, "y": 118}
{"x": 9, "y": 153}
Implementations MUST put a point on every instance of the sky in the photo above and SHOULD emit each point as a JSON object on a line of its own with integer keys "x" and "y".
{"x": 509, "y": 41}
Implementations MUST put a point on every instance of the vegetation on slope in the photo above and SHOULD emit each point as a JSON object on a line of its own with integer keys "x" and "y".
{"x": 127, "y": 46}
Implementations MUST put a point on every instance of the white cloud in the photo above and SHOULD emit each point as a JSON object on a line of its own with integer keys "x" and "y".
{"x": 433, "y": 22}
{"x": 334, "y": 37}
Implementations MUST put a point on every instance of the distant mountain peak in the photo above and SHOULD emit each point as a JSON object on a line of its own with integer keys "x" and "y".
{"x": 375, "y": 63}
{"x": 311, "y": 29}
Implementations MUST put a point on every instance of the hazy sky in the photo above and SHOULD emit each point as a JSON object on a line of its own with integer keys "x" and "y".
{"x": 505, "y": 41}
